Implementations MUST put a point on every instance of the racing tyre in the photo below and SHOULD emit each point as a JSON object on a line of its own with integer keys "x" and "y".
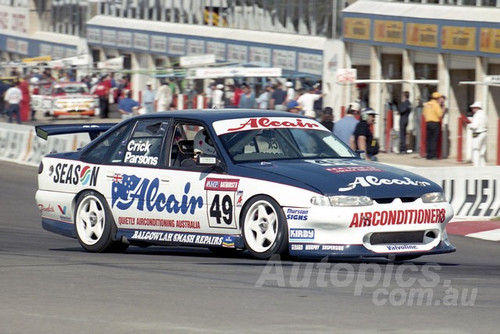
{"x": 94, "y": 224}
{"x": 264, "y": 229}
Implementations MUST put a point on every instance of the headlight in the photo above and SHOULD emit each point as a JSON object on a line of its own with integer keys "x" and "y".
{"x": 341, "y": 200}
{"x": 437, "y": 197}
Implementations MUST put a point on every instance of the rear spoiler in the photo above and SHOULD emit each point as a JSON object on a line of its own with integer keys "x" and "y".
{"x": 93, "y": 129}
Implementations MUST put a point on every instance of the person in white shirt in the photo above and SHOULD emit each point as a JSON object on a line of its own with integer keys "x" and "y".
{"x": 306, "y": 101}
{"x": 264, "y": 97}
{"x": 13, "y": 97}
{"x": 479, "y": 126}
{"x": 218, "y": 97}
{"x": 290, "y": 91}
{"x": 163, "y": 97}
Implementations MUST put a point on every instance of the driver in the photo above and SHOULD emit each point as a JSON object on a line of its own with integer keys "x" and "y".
{"x": 202, "y": 144}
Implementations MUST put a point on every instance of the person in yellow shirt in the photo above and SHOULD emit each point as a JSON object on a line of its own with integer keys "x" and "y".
{"x": 433, "y": 113}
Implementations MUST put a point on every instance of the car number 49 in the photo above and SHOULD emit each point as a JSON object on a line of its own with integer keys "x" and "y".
{"x": 221, "y": 211}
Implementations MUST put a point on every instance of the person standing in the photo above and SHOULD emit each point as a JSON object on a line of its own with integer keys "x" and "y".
{"x": 327, "y": 118}
{"x": 479, "y": 126}
{"x": 247, "y": 98}
{"x": 263, "y": 99}
{"x": 102, "y": 92}
{"x": 344, "y": 128}
{"x": 307, "y": 99}
{"x": 218, "y": 97}
{"x": 13, "y": 97}
{"x": 148, "y": 99}
{"x": 128, "y": 106}
{"x": 362, "y": 138}
{"x": 433, "y": 113}
{"x": 164, "y": 97}
{"x": 278, "y": 98}
{"x": 404, "y": 109}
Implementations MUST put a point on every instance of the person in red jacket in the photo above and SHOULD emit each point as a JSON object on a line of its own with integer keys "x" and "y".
{"x": 102, "y": 91}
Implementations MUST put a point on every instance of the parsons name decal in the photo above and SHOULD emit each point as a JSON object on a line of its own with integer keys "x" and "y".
{"x": 138, "y": 152}
{"x": 128, "y": 190}
{"x": 370, "y": 181}
{"x": 264, "y": 122}
{"x": 72, "y": 174}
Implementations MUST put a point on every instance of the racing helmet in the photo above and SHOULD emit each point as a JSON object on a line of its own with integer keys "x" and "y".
{"x": 202, "y": 143}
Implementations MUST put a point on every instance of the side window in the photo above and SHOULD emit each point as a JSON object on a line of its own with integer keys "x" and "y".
{"x": 189, "y": 140}
{"x": 98, "y": 152}
{"x": 143, "y": 147}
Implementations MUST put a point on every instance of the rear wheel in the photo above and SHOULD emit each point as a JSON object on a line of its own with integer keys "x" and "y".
{"x": 94, "y": 224}
{"x": 265, "y": 230}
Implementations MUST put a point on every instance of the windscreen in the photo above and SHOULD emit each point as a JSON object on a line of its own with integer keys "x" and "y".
{"x": 283, "y": 143}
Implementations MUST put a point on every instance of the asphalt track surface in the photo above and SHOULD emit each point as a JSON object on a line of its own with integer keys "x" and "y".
{"x": 48, "y": 284}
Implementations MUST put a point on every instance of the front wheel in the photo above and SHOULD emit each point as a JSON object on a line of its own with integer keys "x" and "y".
{"x": 94, "y": 224}
{"x": 264, "y": 229}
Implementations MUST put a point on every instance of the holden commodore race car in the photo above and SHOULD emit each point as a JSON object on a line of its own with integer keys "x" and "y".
{"x": 265, "y": 181}
{"x": 65, "y": 98}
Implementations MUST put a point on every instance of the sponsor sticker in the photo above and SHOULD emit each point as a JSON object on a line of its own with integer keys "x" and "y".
{"x": 373, "y": 181}
{"x": 398, "y": 217}
{"x": 144, "y": 195}
{"x": 297, "y": 214}
{"x": 66, "y": 173}
{"x": 255, "y": 123}
{"x": 353, "y": 169}
{"x": 301, "y": 234}
{"x": 221, "y": 184}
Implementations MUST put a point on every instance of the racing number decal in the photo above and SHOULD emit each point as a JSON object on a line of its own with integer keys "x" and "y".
{"x": 222, "y": 210}
{"x": 220, "y": 202}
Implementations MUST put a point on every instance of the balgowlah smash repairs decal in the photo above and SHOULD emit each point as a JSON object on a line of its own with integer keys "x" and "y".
{"x": 398, "y": 217}
{"x": 66, "y": 173}
{"x": 178, "y": 237}
{"x": 144, "y": 193}
{"x": 373, "y": 181}
{"x": 138, "y": 152}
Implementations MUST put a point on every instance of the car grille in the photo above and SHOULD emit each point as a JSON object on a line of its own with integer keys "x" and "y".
{"x": 401, "y": 237}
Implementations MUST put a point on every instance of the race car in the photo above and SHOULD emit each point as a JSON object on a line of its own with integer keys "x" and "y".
{"x": 64, "y": 98}
{"x": 267, "y": 182}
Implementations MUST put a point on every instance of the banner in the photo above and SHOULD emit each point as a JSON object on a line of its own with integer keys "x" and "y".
{"x": 425, "y": 35}
{"x": 458, "y": 38}
{"x": 388, "y": 31}
{"x": 357, "y": 28}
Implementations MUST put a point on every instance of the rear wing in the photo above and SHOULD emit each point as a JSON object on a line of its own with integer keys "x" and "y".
{"x": 93, "y": 129}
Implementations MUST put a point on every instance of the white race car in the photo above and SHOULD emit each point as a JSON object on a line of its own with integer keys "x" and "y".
{"x": 268, "y": 182}
{"x": 65, "y": 98}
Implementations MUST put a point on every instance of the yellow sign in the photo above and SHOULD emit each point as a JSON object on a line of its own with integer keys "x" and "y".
{"x": 37, "y": 59}
{"x": 458, "y": 38}
{"x": 425, "y": 35}
{"x": 388, "y": 31}
{"x": 490, "y": 40}
{"x": 356, "y": 28}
